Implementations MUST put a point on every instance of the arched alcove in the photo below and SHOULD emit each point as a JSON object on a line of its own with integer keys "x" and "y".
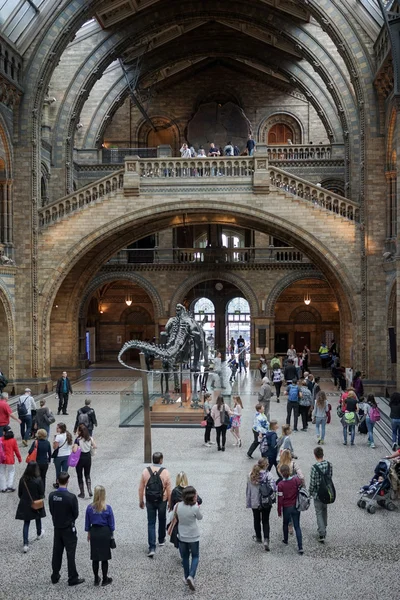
{"x": 282, "y": 123}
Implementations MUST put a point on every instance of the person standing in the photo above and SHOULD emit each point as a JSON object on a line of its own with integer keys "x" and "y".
{"x": 237, "y": 417}
{"x": 43, "y": 454}
{"x": 358, "y": 385}
{"x": 322, "y": 466}
{"x": 7, "y": 469}
{"x": 44, "y": 417}
{"x": 324, "y": 355}
{"x": 293, "y": 393}
{"x": 86, "y": 416}
{"x": 25, "y": 406}
{"x": 320, "y": 415}
{"x": 188, "y": 513}
{"x": 62, "y": 447}
{"x": 372, "y": 417}
{"x": 63, "y": 390}
{"x": 290, "y": 372}
{"x": 30, "y": 488}
{"x": 208, "y": 419}
{"x": 100, "y": 527}
{"x": 64, "y": 510}
{"x": 155, "y": 486}
{"x": 250, "y": 145}
{"x": 287, "y": 498}
{"x": 87, "y": 446}
{"x": 6, "y": 413}
{"x": 260, "y": 428}
{"x": 220, "y": 413}
{"x": 305, "y": 404}
{"x": 394, "y": 405}
{"x": 3, "y": 381}
{"x": 260, "y": 475}
{"x": 291, "y": 353}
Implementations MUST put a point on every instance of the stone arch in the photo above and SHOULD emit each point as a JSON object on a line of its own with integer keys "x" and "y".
{"x": 162, "y": 123}
{"x": 284, "y": 283}
{"x": 315, "y": 316}
{"x": 334, "y": 185}
{"x": 7, "y": 305}
{"x": 147, "y": 319}
{"x": 124, "y": 276}
{"x": 194, "y": 280}
{"x": 285, "y": 118}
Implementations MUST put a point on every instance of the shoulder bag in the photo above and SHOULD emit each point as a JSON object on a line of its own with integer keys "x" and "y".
{"x": 35, "y": 504}
{"x": 33, "y": 455}
{"x": 55, "y": 452}
{"x": 50, "y": 418}
{"x": 174, "y": 521}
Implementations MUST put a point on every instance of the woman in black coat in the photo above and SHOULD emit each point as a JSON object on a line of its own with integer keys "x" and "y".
{"x": 30, "y": 488}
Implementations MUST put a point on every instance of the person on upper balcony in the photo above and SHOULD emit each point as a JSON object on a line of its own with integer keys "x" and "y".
{"x": 250, "y": 145}
{"x": 185, "y": 151}
{"x": 229, "y": 150}
{"x": 213, "y": 151}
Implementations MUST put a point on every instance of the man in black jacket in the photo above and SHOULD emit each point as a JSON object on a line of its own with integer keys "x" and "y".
{"x": 290, "y": 372}
{"x": 86, "y": 416}
{"x": 64, "y": 509}
{"x": 63, "y": 390}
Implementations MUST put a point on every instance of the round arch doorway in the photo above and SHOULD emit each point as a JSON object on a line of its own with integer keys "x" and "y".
{"x": 238, "y": 323}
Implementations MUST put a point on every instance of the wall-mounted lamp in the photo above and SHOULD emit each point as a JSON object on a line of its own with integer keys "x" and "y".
{"x": 307, "y": 299}
{"x": 128, "y": 300}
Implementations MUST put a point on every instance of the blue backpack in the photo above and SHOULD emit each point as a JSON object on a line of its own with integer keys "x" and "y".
{"x": 293, "y": 393}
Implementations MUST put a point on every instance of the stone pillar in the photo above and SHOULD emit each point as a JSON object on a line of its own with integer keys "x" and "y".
{"x": 261, "y": 179}
{"x": 220, "y": 325}
{"x": 164, "y": 249}
{"x": 132, "y": 176}
{"x": 264, "y": 338}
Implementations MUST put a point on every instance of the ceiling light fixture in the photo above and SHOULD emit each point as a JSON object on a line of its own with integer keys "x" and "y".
{"x": 307, "y": 299}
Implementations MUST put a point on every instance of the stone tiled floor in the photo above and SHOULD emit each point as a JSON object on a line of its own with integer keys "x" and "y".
{"x": 359, "y": 559}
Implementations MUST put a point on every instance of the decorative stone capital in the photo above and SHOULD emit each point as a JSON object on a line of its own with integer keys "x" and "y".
{"x": 132, "y": 176}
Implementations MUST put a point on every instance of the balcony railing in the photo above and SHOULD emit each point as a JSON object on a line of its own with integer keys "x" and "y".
{"x": 300, "y": 152}
{"x": 270, "y": 254}
{"x": 198, "y": 167}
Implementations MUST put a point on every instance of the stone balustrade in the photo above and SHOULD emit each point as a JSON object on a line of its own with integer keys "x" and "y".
{"x": 300, "y": 152}
{"x": 314, "y": 194}
{"x": 10, "y": 62}
{"x": 198, "y": 167}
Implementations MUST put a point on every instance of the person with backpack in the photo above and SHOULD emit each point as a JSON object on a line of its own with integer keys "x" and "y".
{"x": 260, "y": 427}
{"x": 8, "y": 450}
{"x": 260, "y": 496}
{"x": 288, "y": 491}
{"x": 373, "y": 416}
{"x": 269, "y": 445}
{"x": 305, "y": 404}
{"x": 322, "y": 490}
{"x": 350, "y": 418}
{"x": 63, "y": 390}
{"x": 86, "y": 416}
{"x": 43, "y": 454}
{"x": 320, "y": 416}
{"x": 293, "y": 393}
{"x": 155, "y": 487}
{"x": 25, "y": 406}
{"x": 221, "y": 414}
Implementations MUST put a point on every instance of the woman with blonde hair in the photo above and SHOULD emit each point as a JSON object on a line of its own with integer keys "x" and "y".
{"x": 319, "y": 414}
{"x": 100, "y": 526}
{"x": 260, "y": 475}
{"x": 181, "y": 483}
{"x": 286, "y": 459}
{"x": 237, "y": 417}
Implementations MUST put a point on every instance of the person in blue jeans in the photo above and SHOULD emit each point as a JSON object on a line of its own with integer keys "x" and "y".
{"x": 369, "y": 405}
{"x": 25, "y": 406}
{"x": 394, "y": 405}
{"x": 288, "y": 489}
{"x": 188, "y": 514}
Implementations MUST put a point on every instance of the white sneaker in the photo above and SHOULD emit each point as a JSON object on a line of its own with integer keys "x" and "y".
{"x": 25, "y": 549}
{"x": 190, "y": 582}
{"x": 39, "y": 537}
{"x": 373, "y": 446}
{"x": 211, "y": 443}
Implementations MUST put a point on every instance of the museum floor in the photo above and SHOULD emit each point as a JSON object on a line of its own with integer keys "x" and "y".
{"x": 358, "y": 560}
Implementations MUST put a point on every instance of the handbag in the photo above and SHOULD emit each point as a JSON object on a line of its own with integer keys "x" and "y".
{"x": 204, "y": 423}
{"x": 50, "y": 418}
{"x": 74, "y": 457}
{"x": 33, "y": 455}
{"x": 113, "y": 544}
{"x": 55, "y": 452}
{"x": 35, "y": 504}
{"x": 174, "y": 521}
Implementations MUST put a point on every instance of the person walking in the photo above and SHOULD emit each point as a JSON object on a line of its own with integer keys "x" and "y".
{"x": 100, "y": 527}
{"x": 25, "y": 406}
{"x": 293, "y": 393}
{"x": 277, "y": 378}
{"x": 43, "y": 454}
{"x": 260, "y": 427}
{"x": 264, "y": 395}
{"x": 86, "y": 416}
{"x": 62, "y": 447}
{"x": 372, "y": 417}
{"x": 284, "y": 441}
{"x": 44, "y": 417}
{"x": 64, "y": 510}
{"x": 394, "y": 405}
{"x": 63, "y": 390}
{"x": 286, "y": 458}
{"x": 269, "y": 445}
{"x": 305, "y": 404}
{"x": 320, "y": 468}
{"x": 87, "y": 446}
{"x": 290, "y": 372}
{"x": 188, "y": 513}
{"x": 358, "y": 385}
{"x": 350, "y": 417}
{"x": 221, "y": 414}
{"x": 181, "y": 483}
{"x": 6, "y": 413}
{"x": 208, "y": 419}
{"x": 320, "y": 416}
{"x": 30, "y": 492}
{"x": 260, "y": 475}
{"x": 288, "y": 490}
{"x": 7, "y": 468}
{"x": 236, "y": 420}
{"x": 155, "y": 486}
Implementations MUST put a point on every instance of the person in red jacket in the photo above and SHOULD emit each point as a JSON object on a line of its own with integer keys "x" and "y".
{"x": 7, "y": 469}
{"x": 287, "y": 497}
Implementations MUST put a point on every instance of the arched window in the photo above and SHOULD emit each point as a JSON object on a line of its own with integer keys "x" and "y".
{"x": 204, "y": 312}
{"x": 238, "y": 320}
{"x": 280, "y": 134}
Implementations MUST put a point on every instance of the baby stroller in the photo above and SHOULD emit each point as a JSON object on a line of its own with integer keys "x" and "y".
{"x": 377, "y": 492}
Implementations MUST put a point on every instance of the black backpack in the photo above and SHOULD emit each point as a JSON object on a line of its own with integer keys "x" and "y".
{"x": 267, "y": 496}
{"x": 326, "y": 491}
{"x": 21, "y": 407}
{"x": 154, "y": 488}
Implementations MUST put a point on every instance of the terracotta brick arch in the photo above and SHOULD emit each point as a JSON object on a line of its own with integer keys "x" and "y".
{"x": 284, "y": 118}
{"x": 167, "y": 131}
{"x": 284, "y": 283}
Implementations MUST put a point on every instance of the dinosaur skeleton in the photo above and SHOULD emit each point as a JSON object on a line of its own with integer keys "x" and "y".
{"x": 183, "y": 335}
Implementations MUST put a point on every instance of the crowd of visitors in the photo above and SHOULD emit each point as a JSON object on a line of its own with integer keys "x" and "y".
{"x": 188, "y": 151}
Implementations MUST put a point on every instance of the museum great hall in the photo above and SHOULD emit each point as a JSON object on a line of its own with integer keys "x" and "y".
{"x": 105, "y": 227}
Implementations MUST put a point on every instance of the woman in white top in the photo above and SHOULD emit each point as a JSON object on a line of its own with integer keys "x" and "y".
{"x": 237, "y": 417}
{"x": 188, "y": 513}
{"x": 62, "y": 447}
{"x": 220, "y": 413}
{"x": 87, "y": 447}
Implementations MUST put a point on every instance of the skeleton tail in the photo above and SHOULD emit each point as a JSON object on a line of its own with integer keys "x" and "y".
{"x": 157, "y": 351}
